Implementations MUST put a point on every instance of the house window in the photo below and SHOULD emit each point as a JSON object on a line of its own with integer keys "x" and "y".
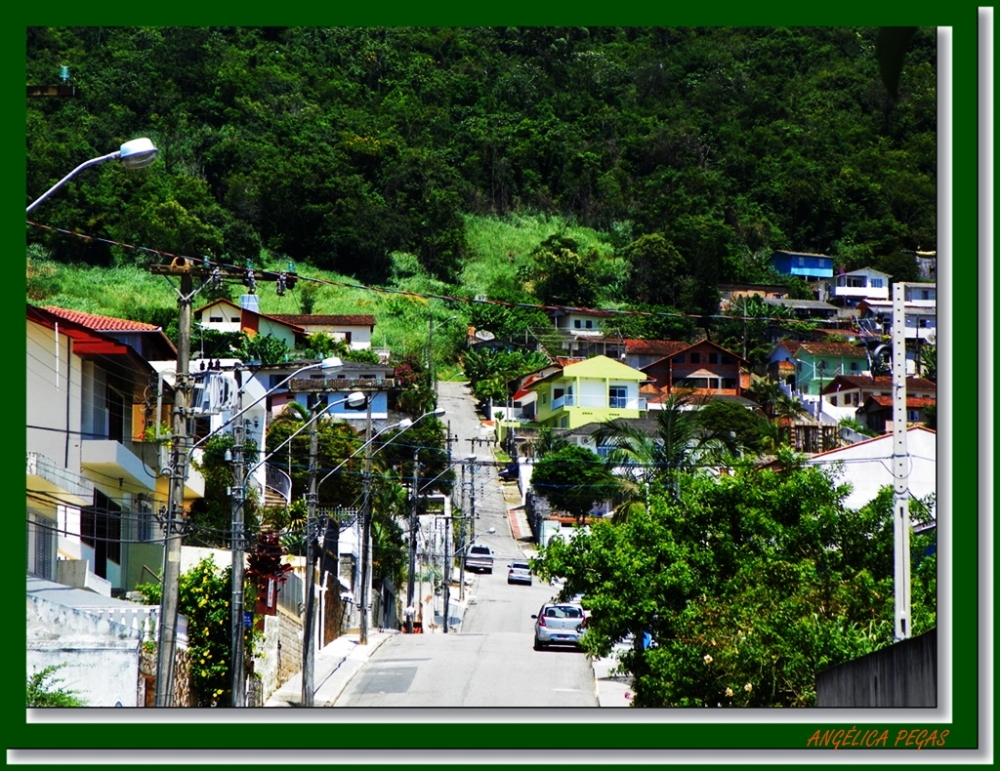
{"x": 696, "y": 358}
{"x": 679, "y": 358}
{"x": 215, "y": 319}
{"x": 854, "y": 366}
{"x": 729, "y": 383}
{"x": 347, "y": 337}
{"x": 101, "y": 529}
{"x": 876, "y": 283}
{"x": 617, "y": 397}
{"x": 576, "y": 323}
{"x": 589, "y": 324}
{"x": 912, "y": 416}
{"x": 713, "y": 358}
{"x": 235, "y": 319}
{"x": 727, "y": 359}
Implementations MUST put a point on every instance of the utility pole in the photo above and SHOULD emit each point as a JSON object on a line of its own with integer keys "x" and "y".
{"x": 308, "y": 643}
{"x": 366, "y": 531}
{"x": 410, "y": 608}
{"x": 472, "y": 523}
{"x": 447, "y": 571}
{"x": 239, "y": 560}
{"x": 900, "y": 466}
{"x": 169, "y": 593}
{"x": 186, "y": 270}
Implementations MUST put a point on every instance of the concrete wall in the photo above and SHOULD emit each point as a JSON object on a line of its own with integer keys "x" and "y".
{"x": 101, "y": 658}
{"x": 903, "y": 675}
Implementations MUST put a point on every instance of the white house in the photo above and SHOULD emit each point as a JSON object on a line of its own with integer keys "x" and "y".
{"x": 95, "y": 477}
{"x": 226, "y": 316}
{"x": 861, "y": 284}
{"x": 867, "y": 466}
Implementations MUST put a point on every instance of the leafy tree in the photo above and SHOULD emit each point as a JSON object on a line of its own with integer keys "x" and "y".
{"x": 204, "y": 597}
{"x": 749, "y": 430}
{"x": 658, "y": 273}
{"x": 43, "y": 690}
{"x": 210, "y": 518}
{"x": 572, "y": 479}
{"x": 561, "y": 275}
{"x": 265, "y": 349}
{"x": 748, "y": 585}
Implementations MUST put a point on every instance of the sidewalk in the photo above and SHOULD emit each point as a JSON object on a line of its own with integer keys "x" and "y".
{"x": 335, "y": 665}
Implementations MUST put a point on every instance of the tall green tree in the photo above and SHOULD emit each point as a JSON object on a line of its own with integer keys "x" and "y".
{"x": 739, "y": 591}
{"x": 572, "y": 479}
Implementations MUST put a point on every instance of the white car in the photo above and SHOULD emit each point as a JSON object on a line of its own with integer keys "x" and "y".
{"x": 519, "y": 573}
{"x": 559, "y": 623}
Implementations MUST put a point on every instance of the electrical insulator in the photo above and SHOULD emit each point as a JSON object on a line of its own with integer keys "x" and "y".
{"x": 216, "y": 278}
{"x": 250, "y": 281}
{"x": 280, "y": 284}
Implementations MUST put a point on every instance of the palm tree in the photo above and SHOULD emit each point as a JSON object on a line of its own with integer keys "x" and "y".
{"x": 681, "y": 444}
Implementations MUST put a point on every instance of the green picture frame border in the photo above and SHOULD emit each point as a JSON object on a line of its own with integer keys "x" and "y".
{"x": 641, "y": 736}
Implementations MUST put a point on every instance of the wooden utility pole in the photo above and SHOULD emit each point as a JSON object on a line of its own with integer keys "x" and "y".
{"x": 166, "y": 642}
{"x": 308, "y": 643}
{"x": 186, "y": 270}
{"x": 410, "y": 607}
{"x": 238, "y": 546}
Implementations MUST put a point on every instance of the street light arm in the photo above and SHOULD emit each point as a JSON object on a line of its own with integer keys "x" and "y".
{"x": 409, "y": 424}
{"x": 133, "y": 155}
{"x": 354, "y": 396}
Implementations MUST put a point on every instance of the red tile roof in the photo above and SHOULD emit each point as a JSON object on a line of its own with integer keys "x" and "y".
{"x": 305, "y": 319}
{"x": 833, "y": 349}
{"x": 912, "y": 402}
{"x": 101, "y": 323}
{"x": 654, "y": 347}
{"x": 884, "y": 381}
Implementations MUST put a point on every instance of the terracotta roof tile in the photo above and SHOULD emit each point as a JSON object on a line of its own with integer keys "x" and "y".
{"x": 912, "y": 402}
{"x": 304, "y": 319}
{"x": 655, "y": 347}
{"x": 833, "y": 349}
{"x": 101, "y": 323}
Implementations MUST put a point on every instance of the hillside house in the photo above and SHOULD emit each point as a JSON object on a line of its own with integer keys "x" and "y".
{"x": 95, "y": 476}
{"x": 877, "y": 411}
{"x": 701, "y": 369}
{"x": 355, "y": 330}
{"x": 226, "y": 316}
{"x": 598, "y": 389}
{"x": 815, "y": 363}
{"x": 803, "y": 264}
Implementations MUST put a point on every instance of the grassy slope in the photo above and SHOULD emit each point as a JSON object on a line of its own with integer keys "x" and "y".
{"x": 497, "y": 248}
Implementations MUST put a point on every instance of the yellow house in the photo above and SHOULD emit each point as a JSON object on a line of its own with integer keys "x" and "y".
{"x": 595, "y": 390}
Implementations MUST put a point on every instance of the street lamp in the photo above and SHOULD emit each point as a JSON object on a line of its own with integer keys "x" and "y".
{"x": 133, "y": 155}
{"x": 354, "y": 399}
{"x": 172, "y": 550}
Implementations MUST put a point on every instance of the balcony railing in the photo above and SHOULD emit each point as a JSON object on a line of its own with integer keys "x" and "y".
{"x": 599, "y": 402}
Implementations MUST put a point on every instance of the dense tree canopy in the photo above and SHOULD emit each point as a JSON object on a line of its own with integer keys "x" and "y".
{"x": 340, "y": 145}
{"x": 743, "y": 588}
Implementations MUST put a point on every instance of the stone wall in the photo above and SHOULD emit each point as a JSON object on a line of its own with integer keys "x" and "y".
{"x": 280, "y": 655}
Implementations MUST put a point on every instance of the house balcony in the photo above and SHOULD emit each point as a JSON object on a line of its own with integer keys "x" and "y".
{"x": 63, "y": 485}
{"x": 598, "y": 402}
{"x": 111, "y": 458}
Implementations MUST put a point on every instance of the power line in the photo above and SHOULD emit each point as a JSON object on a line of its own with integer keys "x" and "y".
{"x": 273, "y": 275}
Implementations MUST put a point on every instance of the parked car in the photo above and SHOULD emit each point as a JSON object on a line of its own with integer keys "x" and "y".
{"x": 479, "y": 559}
{"x": 519, "y": 573}
{"x": 559, "y": 623}
{"x": 509, "y": 473}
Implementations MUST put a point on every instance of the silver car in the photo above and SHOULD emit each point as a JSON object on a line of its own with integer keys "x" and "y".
{"x": 519, "y": 573}
{"x": 559, "y": 623}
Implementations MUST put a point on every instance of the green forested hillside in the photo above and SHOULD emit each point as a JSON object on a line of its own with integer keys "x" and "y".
{"x": 344, "y": 148}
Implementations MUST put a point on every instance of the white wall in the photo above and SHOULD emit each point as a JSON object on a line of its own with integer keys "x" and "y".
{"x": 101, "y": 657}
{"x": 867, "y": 466}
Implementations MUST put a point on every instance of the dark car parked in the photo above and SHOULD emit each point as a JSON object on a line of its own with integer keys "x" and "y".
{"x": 509, "y": 473}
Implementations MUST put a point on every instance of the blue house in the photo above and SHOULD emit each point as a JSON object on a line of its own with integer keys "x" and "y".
{"x": 808, "y": 266}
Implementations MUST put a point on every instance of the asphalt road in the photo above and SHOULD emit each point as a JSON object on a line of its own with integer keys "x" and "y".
{"x": 489, "y": 660}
